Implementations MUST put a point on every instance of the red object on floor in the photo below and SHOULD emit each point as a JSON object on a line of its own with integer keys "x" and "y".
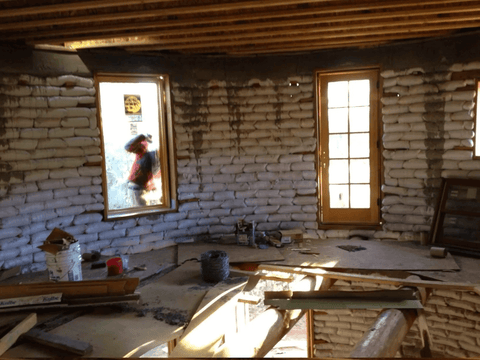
{"x": 115, "y": 266}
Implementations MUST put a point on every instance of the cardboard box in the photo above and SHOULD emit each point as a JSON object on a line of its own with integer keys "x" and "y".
{"x": 290, "y": 236}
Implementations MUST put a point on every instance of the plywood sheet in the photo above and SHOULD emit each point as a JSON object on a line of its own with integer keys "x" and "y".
{"x": 468, "y": 273}
{"x": 235, "y": 253}
{"x": 378, "y": 255}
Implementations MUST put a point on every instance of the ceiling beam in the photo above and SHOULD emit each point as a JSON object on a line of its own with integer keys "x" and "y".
{"x": 324, "y": 45}
{"x": 20, "y": 25}
{"x": 470, "y": 15}
{"x": 282, "y": 36}
{"x": 81, "y": 5}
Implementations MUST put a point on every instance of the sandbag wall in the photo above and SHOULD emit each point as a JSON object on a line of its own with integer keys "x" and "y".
{"x": 452, "y": 316}
{"x": 51, "y": 173}
{"x": 245, "y": 151}
{"x": 428, "y": 135}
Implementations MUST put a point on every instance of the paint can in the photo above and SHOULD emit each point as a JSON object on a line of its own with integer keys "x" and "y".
{"x": 65, "y": 265}
{"x": 438, "y": 252}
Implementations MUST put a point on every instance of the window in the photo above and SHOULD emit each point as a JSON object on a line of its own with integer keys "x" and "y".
{"x": 139, "y": 174}
{"x": 349, "y": 154}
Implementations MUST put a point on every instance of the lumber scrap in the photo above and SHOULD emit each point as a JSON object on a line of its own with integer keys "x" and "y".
{"x": 249, "y": 299}
{"x": 69, "y": 289}
{"x": 31, "y": 300}
{"x": 58, "y": 342}
{"x": 78, "y": 303}
{"x": 386, "y": 299}
{"x": 11, "y": 337}
{"x": 372, "y": 279}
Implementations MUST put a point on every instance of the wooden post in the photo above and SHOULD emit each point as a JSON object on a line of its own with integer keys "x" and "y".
{"x": 310, "y": 334}
{"x": 387, "y": 333}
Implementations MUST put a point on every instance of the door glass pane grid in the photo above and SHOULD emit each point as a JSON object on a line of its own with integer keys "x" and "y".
{"x": 349, "y": 145}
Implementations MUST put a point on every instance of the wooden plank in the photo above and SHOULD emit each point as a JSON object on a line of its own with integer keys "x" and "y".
{"x": 249, "y": 299}
{"x": 289, "y": 45}
{"x": 12, "y": 291}
{"x": 96, "y": 301}
{"x": 345, "y": 303}
{"x": 31, "y": 300}
{"x": 58, "y": 342}
{"x": 83, "y": 5}
{"x": 205, "y": 330}
{"x": 373, "y": 279}
{"x": 235, "y": 253}
{"x": 425, "y": 336}
{"x": 72, "y": 288}
{"x": 8, "y": 340}
{"x": 404, "y": 294}
{"x": 77, "y": 303}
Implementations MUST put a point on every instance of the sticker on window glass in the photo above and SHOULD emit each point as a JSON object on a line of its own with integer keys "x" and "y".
{"x": 133, "y": 104}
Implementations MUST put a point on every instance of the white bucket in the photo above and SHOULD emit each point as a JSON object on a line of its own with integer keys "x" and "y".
{"x": 66, "y": 265}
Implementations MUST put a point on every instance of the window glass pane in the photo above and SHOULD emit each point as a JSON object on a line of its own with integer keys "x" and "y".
{"x": 338, "y": 120}
{"x": 359, "y": 145}
{"x": 338, "y": 172}
{"x": 360, "y": 119}
{"x": 338, "y": 94}
{"x": 338, "y": 196}
{"x": 130, "y": 110}
{"x": 360, "y": 196}
{"x": 360, "y": 171}
{"x": 359, "y": 92}
{"x": 338, "y": 146}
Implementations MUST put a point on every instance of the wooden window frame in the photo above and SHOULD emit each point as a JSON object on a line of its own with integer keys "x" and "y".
{"x": 166, "y": 146}
{"x": 345, "y": 218}
{"x": 475, "y": 119}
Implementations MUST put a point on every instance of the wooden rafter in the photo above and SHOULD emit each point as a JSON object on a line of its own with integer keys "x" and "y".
{"x": 152, "y": 13}
{"x": 240, "y": 27}
{"x": 349, "y": 22}
{"x": 260, "y": 15}
{"x": 271, "y": 37}
{"x": 81, "y": 5}
{"x": 310, "y": 46}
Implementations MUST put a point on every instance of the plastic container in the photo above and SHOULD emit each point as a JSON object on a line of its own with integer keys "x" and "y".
{"x": 65, "y": 265}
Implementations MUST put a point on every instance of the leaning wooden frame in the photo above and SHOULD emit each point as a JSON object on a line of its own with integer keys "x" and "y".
{"x": 455, "y": 224}
{"x": 136, "y": 127}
